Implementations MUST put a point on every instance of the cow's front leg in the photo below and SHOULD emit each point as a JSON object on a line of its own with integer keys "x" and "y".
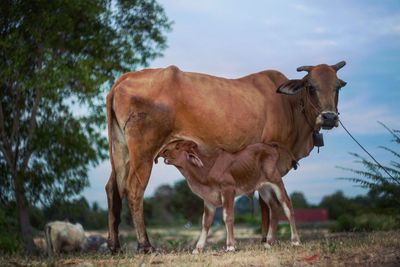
{"x": 208, "y": 217}
{"x": 228, "y": 198}
{"x": 114, "y": 213}
{"x": 136, "y": 185}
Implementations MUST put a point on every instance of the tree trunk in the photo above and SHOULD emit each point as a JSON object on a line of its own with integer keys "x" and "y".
{"x": 23, "y": 214}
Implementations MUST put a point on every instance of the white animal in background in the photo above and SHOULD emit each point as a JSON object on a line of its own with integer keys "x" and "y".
{"x": 64, "y": 237}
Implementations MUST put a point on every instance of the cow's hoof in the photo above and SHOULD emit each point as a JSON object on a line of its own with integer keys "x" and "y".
{"x": 104, "y": 249}
{"x": 230, "y": 249}
{"x": 113, "y": 248}
{"x": 296, "y": 243}
{"x": 197, "y": 251}
{"x": 267, "y": 245}
{"x": 145, "y": 249}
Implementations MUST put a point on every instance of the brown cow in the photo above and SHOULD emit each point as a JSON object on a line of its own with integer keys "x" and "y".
{"x": 149, "y": 109}
{"x": 217, "y": 179}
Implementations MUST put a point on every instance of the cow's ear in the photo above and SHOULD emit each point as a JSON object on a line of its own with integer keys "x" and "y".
{"x": 342, "y": 83}
{"x": 290, "y": 87}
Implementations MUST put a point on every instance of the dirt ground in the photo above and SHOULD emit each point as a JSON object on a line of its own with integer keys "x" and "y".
{"x": 174, "y": 245}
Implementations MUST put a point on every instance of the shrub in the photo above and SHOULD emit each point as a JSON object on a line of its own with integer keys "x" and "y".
{"x": 248, "y": 219}
{"x": 366, "y": 223}
{"x": 9, "y": 241}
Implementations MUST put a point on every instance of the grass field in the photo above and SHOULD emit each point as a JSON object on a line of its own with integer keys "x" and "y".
{"x": 318, "y": 248}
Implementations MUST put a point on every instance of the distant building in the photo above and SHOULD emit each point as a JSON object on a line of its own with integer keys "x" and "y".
{"x": 308, "y": 215}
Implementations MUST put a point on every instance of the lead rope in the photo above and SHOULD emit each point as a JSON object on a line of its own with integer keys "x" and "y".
{"x": 369, "y": 154}
{"x": 316, "y": 134}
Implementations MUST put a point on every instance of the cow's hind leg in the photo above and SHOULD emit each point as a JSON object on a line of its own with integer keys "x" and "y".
{"x": 114, "y": 213}
{"x": 208, "y": 217}
{"x": 136, "y": 185}
{"x": 264, "y": 219}
{"x": 146, "y": 129}
{"x": 115, "y": 184}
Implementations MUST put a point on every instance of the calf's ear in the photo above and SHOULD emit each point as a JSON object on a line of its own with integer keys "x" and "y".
{"x": 195, "y": 160}
{"x": 290, "y": 87}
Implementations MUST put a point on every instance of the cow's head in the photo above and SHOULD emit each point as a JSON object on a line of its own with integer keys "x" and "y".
{"x": 322, "y": 86}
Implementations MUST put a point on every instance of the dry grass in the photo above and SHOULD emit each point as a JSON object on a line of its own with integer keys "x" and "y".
{"x": 319, "y": 248}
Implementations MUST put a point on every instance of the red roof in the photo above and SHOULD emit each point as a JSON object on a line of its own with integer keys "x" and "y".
{"x": 308, "y": 215}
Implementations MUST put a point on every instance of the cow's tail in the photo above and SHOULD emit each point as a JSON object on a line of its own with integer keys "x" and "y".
{"x": 49, "y": 242}
{"x": 110, "y": 119}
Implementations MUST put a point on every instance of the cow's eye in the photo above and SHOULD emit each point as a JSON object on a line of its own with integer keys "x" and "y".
{"x": 312, "y": 89}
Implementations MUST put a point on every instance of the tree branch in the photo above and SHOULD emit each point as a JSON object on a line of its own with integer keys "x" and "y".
{"x": 4, "y": 145}
{"x": 15, "y": 128}
{"x": 31, "y": 131}
{"x": 6, "y": 155}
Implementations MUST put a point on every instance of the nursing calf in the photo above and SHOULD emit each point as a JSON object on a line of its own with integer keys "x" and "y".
{"x": 219, "y": 177}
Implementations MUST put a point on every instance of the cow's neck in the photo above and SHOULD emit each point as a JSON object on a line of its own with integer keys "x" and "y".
{"x": 304, "y": 125}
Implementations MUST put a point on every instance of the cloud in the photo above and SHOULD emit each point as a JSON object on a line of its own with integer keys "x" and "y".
{"x": 361, "y": 115}
{"x": 316, "y": 43}
{"x": 305, "y": 8}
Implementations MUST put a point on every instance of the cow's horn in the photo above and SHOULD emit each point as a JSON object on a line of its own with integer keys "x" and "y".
{"x": 339, "y": 65}
{"x": 304, "y": 68}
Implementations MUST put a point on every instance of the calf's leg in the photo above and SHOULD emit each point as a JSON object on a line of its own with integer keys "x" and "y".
{"x": 228, "y": 198}
{"x": 208, "y": 217}
{"x": 270, "y": 212}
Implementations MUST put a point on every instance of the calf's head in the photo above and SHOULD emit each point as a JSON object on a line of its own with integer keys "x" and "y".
{"x": 182, "y": 153}
{"x": 322, "y": 86}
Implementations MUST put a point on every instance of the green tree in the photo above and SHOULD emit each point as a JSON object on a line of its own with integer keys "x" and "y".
{"x": 161, "y": 206}
{"x": 299, "y": 201}
{"x": 185, "y": 203}
{"x": 383, "y": 183}
{"x": 57, "y": 59}
{"x": 337, "y": 204}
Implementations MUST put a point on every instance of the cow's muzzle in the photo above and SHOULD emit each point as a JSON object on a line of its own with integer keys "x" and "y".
{"x": 328, "y": 120}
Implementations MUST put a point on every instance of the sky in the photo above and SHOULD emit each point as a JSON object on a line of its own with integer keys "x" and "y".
{"x": 232, "y": 38}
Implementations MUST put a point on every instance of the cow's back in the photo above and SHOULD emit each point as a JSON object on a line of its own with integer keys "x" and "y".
{"x": 214, "y": 112}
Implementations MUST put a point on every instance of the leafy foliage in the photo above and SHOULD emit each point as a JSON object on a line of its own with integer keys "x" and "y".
{"x": 9, "y": 240}
{"x": 185, "y": 202}
{"x": 299, "y": 201}
{"x": 383, "y": 182}
{"x": 365, "y": 223}
{"x": 338, "y": 204}
{"x": 169, "y": 205}
{"x": 57, "y": 58}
